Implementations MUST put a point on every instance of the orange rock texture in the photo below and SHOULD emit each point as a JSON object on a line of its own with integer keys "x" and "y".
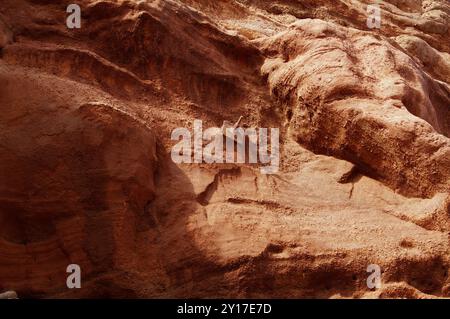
{"x": 87, "y": 178}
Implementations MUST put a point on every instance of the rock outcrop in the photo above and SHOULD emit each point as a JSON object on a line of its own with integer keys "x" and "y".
{"x": 86, "y": 174}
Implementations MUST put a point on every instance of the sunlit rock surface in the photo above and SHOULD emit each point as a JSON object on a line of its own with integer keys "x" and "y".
{"x": 87, "y": 178}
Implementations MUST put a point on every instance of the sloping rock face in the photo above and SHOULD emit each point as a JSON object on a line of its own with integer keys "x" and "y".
{"x": 87, "y": 178}
{"x": 343, "y": 86}
{"x": 76, "y": 177}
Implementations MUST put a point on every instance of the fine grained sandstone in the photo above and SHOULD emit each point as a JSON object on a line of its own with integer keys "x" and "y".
{"x": 86, "y": 174}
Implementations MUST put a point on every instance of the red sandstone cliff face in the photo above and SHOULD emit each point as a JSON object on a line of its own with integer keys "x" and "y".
{"x": 86, "y": 174}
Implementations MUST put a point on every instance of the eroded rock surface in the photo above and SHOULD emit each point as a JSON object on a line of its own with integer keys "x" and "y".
{"x": 87, "y": 178}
